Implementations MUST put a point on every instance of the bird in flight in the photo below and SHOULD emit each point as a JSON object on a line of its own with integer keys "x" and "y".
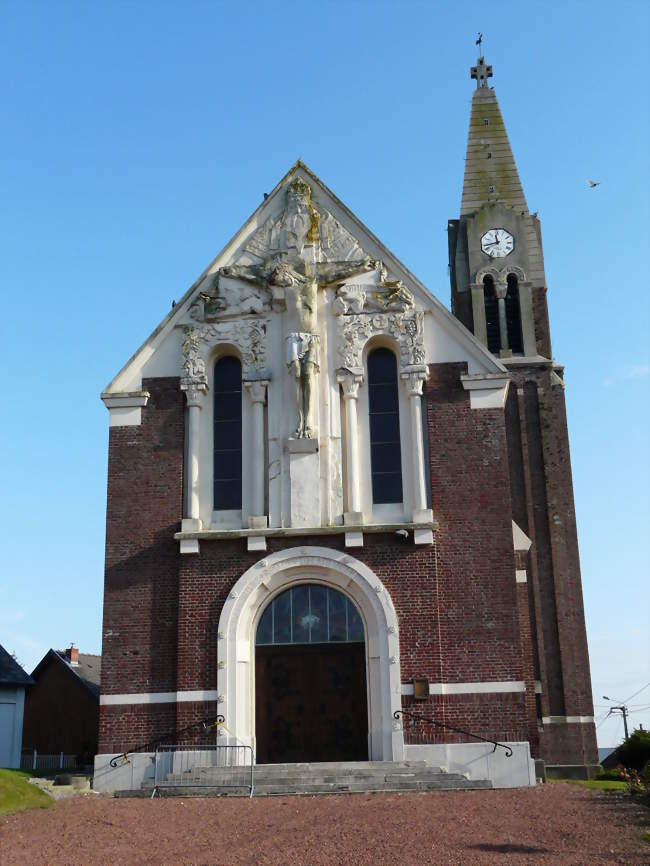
{"x": 593, "y": 183}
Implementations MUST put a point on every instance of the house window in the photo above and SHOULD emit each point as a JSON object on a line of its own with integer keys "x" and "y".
{"x": 227, "y": 434}
{"x": 385, "y": 450}
{"x": 513, "y": 316}
{"x": 486, "y": 121}
{"x": 491, "y": 315}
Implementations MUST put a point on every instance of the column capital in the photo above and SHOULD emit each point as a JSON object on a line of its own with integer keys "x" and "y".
{"x": 349, "y": 379}
{"x": 415, "y": 379}
{"x": 194, "y": 391}
{"x": 257, "y": 389}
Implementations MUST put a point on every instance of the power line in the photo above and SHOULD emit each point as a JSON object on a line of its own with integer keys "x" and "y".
{"x": 636, "y": 693}
{"x": 602, "y": 722}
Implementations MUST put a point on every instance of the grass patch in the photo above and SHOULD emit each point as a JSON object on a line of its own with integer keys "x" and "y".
{"x": 594, "y": 784}
{"x": 16, "y": 794}
{"x": 645, "y": 836}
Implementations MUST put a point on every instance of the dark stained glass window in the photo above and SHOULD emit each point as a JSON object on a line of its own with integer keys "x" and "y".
{"x": 310, "y": 613}
{"x": 227, "y": 434}
{"x": 513, "y": 316}
{"x": 385, "y": 450}
{"x": 491, "y": 315}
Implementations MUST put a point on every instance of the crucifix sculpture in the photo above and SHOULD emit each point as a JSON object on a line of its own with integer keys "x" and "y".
{"x": 294, "y": 273}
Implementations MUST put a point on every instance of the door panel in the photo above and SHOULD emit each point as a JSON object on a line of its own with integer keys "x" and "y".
{"x": 311, "y": 703}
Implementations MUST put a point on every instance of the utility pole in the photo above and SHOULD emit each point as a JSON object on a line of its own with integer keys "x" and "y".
{"x": 624, "y": 712}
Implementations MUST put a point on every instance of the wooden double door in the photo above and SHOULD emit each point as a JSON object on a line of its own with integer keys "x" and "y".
{"x": 310, "y": 703}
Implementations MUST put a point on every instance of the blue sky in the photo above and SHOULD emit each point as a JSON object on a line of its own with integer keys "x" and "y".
{"x": 137, "y": 137}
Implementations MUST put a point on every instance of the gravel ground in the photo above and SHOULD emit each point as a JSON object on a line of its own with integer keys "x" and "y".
{"x": 558, "y": 824}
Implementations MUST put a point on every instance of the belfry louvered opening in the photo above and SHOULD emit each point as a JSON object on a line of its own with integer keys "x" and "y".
{"x": 513, "y": 316}
{"x": 491, "y": 315}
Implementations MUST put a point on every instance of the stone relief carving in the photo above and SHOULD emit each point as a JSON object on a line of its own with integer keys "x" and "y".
{"x": 301, "y": 225}
{"x": 224, "y": 298}
{"x": 389, "y": 296}
{"x": 298, "y": 253}
{"x": 407, "y": 329}
{"x": 247, "y": 335}
{"x": 193, "y": 364}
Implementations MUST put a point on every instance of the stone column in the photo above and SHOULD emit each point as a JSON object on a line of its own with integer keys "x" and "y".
{"x": 350, "y": 381}
{"x": 500, "y": 290}
{"x": 194, "y": 392}
{"x": 420, "y": 513}
{"x": 257, "y": 392}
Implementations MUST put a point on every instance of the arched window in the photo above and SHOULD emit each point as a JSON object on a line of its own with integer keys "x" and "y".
{"x": 385, "y": 450}
{"x": 310, "y": 613}
{"x": 227, "y": 434}
{"x": 491, "y": 315}
{"x": 513, "y": 316}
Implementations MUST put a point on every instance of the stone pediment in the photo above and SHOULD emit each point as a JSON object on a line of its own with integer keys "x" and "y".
{"x": 301, "y": 240}
{"x": 299, "y": 245}
{"x": 303, "y": 231}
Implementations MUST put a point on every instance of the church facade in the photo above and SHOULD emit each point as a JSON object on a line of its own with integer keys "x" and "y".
{"x": 340, "y": 516}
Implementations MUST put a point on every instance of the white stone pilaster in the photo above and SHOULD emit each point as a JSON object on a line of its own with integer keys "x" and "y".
{"x": 350, "y": 381}
{"x": 194, "y": 392}
{"x": 257, "y": 393}
{"x": 420, "y": 513}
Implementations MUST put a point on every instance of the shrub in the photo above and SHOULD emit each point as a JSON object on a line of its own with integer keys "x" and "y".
{"x": 634, "y": 753}
{"x": 613, "y": 775}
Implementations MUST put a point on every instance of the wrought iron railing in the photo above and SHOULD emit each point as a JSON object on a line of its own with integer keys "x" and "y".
{"x": 207, "y": 724}
{"x": 417, "y": 717}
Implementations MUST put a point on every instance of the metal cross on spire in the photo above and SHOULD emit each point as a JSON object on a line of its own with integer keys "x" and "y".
{"x": 481, "y": 72}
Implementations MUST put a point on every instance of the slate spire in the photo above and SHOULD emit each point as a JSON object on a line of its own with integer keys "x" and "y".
{"x": 490, "y": 169}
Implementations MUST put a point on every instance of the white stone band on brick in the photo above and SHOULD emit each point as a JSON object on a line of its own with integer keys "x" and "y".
{"x": 567, "y": 720}
{"x": 159, "y": 697}
{"x": 520, "y": 575}
{"x": 489, "y": 688}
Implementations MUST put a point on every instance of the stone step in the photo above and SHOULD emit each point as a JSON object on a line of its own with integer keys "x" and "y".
{"x": 305, "y": 776}
{"x": 316, "y": 778}
{"x": 443, "y": 784}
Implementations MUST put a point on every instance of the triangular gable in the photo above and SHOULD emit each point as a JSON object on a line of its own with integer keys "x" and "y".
{"x": 243, "y": 244}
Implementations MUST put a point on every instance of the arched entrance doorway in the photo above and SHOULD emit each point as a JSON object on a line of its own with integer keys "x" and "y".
{"x": 247, "y": 602}
{"x": 310, "y": 678}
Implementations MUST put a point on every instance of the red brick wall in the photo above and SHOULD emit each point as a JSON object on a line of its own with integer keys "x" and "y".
{"x": 493, "y": 716}
{"x": 457, "y": 601}
{"x": 61, "y": 714}
{"x": 145, "y": 469}
{"x": 542, "y": 327}
{"x": 136, "y": 727}
{"x": 471, "y": 502}
{"x": 538, "y": 447}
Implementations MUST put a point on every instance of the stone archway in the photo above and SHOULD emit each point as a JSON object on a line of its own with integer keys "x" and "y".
{"x": 238, "y": 623}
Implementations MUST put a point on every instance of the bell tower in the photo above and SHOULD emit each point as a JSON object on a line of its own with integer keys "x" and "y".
{"x": 498, "y": 291}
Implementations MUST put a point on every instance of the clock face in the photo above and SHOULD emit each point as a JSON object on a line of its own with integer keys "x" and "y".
{"x": 497, "y": 243}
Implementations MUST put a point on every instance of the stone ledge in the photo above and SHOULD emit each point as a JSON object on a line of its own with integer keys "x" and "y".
{"x": 287, "y": 531}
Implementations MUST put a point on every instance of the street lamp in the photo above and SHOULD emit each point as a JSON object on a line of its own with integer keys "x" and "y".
{"x": 623, "y": 710}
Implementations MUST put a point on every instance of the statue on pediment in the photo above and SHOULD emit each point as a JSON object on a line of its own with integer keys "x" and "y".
{"x": 293, "y": 256}
{"x": 389, "y": 296}
{"x": 222, "y": 299}
{"x": 301, "y": 230}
